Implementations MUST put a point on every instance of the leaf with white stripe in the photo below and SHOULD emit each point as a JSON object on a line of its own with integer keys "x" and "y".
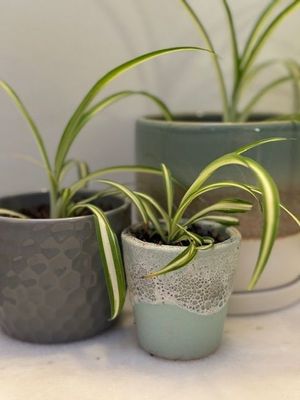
{"x": 167, "y": 176}
{"x": 180, "y": 261}
{"x": 128, "y": 193}
{"x": 221, "y": 219}
{"x": 154, "y": 220}
{"x": 9, "y": 213}
{"x": 110, "y": 255}
{"x": 226, "y": 206}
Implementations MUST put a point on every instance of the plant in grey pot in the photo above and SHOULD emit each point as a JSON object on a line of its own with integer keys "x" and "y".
{"x": 180, "y": 268}
{"x": 191, "y": 141}
{"x": 55, "y": 281}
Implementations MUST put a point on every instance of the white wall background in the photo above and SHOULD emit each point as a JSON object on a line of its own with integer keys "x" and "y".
{"x": 51, "y": 52}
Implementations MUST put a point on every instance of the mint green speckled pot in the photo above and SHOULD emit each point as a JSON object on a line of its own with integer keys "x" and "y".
{"x": 180, "y": 315}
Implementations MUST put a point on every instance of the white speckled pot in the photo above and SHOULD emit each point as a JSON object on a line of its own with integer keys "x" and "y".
{"x": 181, "y": 315}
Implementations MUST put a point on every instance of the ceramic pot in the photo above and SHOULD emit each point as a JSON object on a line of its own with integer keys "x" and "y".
{"x": 180, "y": 315}
{"x": 191, "y": 142}
{"x": 52, "y": 286}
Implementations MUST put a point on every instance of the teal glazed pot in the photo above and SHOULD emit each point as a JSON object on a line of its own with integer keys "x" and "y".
{"x": 190, "y": 142}
{"x": 180, "y": 315}
{"x": 52, "y": 285}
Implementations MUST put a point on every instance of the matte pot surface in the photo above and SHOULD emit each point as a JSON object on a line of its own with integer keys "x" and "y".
{"x": 52, "y": 286}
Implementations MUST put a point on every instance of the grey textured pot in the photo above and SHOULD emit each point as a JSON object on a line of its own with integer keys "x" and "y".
{"x": 180, "y": 315}
{"x": 52, "y": 286}
{"x": 191, "y": 142}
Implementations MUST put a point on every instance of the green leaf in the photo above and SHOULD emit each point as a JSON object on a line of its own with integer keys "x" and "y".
{"x": 267, "y": 11}
{"x": 220, "y": 76}
{"x": 151, "y": 216}
{"x": 226, "y": 206}
{"x": 157, "y": 206}
{"x": 294, "y": 71}
{"x": 253, "y": 53}
{"x": 99, "y": 195}
{"x": 180, "y": 261}
{"x": 221, "y": 219}
{"x": 260, "y": 94}
{"x": 81, "y": 167}
{"x": 89, "y": 114}
{"x": 39, "y": 141}
{"x": 293, "y": 216}
{"x": 168, "y": 184}
{"x": 270, "y": 203}
{"x": 271, "y": 212}
{"x": 110, "y": 255}
{"x": 105, "y": 171}
{"x": 185, "y": 234}
{"x": 9, "y": 213}
{"x": 36, "y": 134}
{"x": 234, "y": 43}
{"x": 205, "y": 174}
{"x": 70, "y": 133}
{"x": 258, "y": 143}
{"x": 128, "y": 193}
{"x": 223, "y": 185}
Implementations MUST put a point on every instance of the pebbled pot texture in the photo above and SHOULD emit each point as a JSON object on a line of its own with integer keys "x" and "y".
{"x": 52, "y": 286}
{"x": 180, "y": 315}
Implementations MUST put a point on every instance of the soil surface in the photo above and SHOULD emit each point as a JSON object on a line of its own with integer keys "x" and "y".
{"x": 43, "y": 211}
{"x": 149, "y": 236}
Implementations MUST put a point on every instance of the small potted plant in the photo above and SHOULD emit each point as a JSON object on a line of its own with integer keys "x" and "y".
{"x": 55, "y": 284}
{"x": 180, "y": 268}
{"x": 190, "y": 141}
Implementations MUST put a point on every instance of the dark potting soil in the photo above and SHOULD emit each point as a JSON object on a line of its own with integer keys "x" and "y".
{"x": 43, "y": 211}
{"x": 149, "y": 236}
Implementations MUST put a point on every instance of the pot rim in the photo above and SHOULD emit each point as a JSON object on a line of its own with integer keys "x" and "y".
{"x": 152, "y": 119}
{"x": 125, "y": 205}
{"x": 234, "y": 236}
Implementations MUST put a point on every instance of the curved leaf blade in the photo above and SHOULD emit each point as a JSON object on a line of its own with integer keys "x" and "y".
{"x": 110, "y": 255}
{"x": 226, "y": 206}
{"x": 169, "y": 190}
{"x": 180, "y": 261}
{"x": 93, "y": 111}
{"x": 67, "y": 137}
{"x": 128, "y": 193}
{"x": 4, "y": 212}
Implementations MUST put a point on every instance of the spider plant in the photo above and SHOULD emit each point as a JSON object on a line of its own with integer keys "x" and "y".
{"x": 244, "y": 60}
{"x": 86, "y": 110}
{"x": 61, "y": 198}
{"x": 173, "y": 227}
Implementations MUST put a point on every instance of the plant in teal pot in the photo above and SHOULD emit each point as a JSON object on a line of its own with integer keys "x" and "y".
{"x": 187, "y": 142}
{"x": 180, "y": 267}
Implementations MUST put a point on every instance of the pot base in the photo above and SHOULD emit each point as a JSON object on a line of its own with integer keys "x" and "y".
{"x": 262, "y": 301}
{"x": 170, "y": 332}
{"x": 279, "y": 286}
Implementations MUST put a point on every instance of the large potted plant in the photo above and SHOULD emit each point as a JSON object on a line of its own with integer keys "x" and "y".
{"x": 55, "y": 284}
{"x": 180, "y": 267}
{"x": 190, "y": 141}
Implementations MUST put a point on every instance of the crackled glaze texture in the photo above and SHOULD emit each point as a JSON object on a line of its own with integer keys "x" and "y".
{"x": 52, "y": 286}
{"x": 202, "y": 287}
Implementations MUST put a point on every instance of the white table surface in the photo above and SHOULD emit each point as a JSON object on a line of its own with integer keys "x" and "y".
{"x": 259, "y": 359}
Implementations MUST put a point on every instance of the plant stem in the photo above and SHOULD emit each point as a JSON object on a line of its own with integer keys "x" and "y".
{"x": 216, "y": 63}
{"x": 247, "y": 110}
